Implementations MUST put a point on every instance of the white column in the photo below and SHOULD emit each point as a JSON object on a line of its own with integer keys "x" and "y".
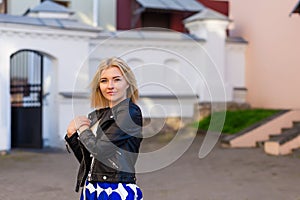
{"x": 5, "y": 110}
{"x": 214, "y": 34}
{"x": 95, "y": 12}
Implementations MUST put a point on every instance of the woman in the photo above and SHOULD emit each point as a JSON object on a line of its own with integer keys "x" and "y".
{"x": 106, "y": 143}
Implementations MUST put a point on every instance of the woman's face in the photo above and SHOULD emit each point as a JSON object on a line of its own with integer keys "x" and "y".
{"x": 113, "y": 85}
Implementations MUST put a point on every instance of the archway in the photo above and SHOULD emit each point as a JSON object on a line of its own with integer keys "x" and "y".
{"x": 26, "y": 89}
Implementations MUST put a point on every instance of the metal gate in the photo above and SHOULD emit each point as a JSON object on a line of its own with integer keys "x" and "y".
{"x": 26, "y": 78}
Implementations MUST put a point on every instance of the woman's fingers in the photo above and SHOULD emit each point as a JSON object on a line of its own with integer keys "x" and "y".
{"x": 81, "y": 121}
{"x": 77, "y": 123}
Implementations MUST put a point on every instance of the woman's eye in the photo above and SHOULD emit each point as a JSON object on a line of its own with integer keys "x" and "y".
{"x": 103, "y": 81}
{"x": 117, "y": 79}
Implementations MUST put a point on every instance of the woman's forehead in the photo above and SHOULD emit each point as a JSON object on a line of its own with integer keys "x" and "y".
{"x": 111, "y": 72}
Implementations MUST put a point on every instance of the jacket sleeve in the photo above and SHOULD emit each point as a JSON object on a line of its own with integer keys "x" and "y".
{"x": 73, "y": 142}
{"x": 127, "y": 124}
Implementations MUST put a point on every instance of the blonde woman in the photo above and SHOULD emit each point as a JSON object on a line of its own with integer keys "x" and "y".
{"x": 107, "y": 142}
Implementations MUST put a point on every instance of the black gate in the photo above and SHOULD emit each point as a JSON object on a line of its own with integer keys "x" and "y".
{"x": 26, "y": 78}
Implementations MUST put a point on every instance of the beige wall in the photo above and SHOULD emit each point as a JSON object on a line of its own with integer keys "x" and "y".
{"x": 273, "y": 53}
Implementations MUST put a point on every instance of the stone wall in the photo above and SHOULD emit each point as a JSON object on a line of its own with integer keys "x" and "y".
{"x": 166, "y": 128}
{"x": 204, "y": 109}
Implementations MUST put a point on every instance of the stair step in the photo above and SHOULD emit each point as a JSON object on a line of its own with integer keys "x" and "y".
{"x": 296, "y": 123}
{"x": 296, "y": 152}
{"x": 285, "y": 129}
{"x": 289, "y": 131}
{"x": 285, "y": 137}
{"x": 283, "y": 143}
{"x": 260, "y": 144}
{"x": 242, "y": 139}
{"x": 275, "y": 136}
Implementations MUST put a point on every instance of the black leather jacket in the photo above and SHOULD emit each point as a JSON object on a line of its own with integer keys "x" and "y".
{"x": 114, "y": 148}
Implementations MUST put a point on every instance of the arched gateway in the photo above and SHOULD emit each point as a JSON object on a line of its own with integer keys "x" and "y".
{"x": 26, "y": 90}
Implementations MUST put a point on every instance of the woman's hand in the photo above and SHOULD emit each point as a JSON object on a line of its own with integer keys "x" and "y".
{"x": 78, "y": 123}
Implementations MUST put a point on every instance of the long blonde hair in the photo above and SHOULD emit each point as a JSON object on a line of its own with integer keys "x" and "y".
{"x": 97, "y": 98}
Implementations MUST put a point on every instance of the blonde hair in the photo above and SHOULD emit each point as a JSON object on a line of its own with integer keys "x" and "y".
{"x": 97, "y": 98}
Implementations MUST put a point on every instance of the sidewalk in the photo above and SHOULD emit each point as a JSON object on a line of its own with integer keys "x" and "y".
{"x": 225, "y": 174}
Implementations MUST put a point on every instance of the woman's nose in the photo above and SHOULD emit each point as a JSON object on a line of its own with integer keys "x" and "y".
{"x": 110, "y": 84}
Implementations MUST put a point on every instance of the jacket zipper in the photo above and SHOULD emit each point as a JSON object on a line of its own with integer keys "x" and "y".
{"x": 113, "y": 164}
{"x": 93, "y": 158}
{"x": 68, "y": 147}
{"x": 92, "y": 167}
{"x": 82, "y": 180}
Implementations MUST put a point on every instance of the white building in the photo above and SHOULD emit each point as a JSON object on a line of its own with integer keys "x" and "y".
{"x": 47, "y": 57}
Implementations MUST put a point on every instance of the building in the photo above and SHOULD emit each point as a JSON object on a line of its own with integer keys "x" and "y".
{"x": 272, "y": 54}
{"x": 296, "y": 9}
{"x": 48, "y": 56}
{"x": 125, "y": 14}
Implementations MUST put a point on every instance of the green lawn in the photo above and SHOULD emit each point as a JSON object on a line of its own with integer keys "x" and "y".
{"x": 235, "y": 121}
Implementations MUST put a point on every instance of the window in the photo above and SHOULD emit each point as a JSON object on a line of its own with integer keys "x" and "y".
{"x": 3, "y": 4}
{"x": 156, "y": 19}
{"x": 64, "y": 3}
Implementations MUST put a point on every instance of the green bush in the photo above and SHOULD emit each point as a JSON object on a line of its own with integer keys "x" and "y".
{"x": 235, "y": 121}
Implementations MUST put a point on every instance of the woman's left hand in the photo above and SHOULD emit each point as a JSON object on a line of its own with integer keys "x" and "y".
{"x": 78, "y": 123}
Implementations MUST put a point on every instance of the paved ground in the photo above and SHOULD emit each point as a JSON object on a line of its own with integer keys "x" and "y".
{"x": 225, "y": 174}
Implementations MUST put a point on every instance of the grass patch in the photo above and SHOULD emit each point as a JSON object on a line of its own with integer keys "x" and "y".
{"x": 235, "y": 121}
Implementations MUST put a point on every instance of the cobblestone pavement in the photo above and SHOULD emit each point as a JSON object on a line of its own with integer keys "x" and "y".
{"x": 225, "y": 174}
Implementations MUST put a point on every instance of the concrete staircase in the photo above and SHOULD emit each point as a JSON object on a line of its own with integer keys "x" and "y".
{"x": 285, "y": 142}
{"x": 279, "y": 135}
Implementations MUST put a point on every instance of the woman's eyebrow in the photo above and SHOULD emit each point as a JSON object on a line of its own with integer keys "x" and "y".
{"x": 112, "y": 77}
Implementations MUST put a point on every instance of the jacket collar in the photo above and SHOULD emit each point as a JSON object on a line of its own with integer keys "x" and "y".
{"x": 97, "y": 114}
{"x": 125, "y": 102}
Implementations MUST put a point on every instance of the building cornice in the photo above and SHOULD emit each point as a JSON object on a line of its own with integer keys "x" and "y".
{"x": 43, "y": 32}
{"x": 118, "y": 43}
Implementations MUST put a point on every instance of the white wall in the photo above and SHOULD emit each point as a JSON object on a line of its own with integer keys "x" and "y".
{"x": 50, "y": 109}
{"x": 216, "y": 87}
{"x": 68, "y": 56}
{"x": 84, "y": 10}
{"x": 154, "y": 60}
{"x": 164, "y": 64}
{"x": 96, "y": 12}
{"x": 167, "y": 107}
{"x": 235, "y": 62}
{"x": 107, "y": 14}
{"x": 172, "y": 67}
{"x": 4, "y": 97}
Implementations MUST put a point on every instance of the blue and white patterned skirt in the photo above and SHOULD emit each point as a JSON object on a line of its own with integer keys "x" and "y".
{"x": 111, "y": 191}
